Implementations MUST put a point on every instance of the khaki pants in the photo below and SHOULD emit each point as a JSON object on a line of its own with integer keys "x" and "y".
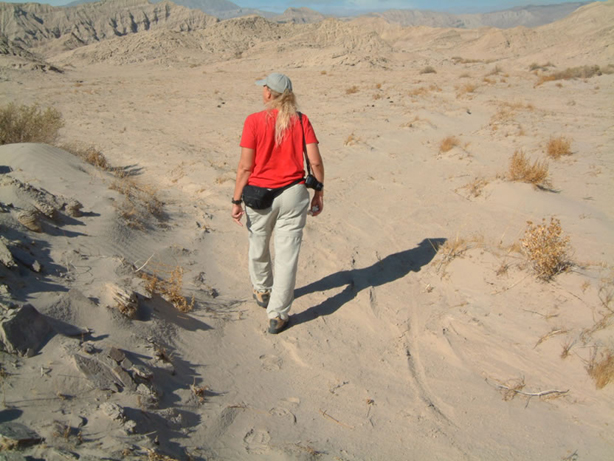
{"x": 287, "y": 219}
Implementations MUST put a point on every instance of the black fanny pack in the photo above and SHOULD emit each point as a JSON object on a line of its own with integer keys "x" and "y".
{"x": 261, "y": 198}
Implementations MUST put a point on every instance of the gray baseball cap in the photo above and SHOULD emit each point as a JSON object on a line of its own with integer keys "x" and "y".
{"x": 276, "y": 82}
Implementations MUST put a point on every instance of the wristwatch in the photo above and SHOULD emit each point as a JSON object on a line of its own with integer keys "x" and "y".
{"x": 237, "y": 202}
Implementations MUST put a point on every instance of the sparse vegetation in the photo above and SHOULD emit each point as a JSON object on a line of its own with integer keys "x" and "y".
{"x": 169, "y": 290}
{"x": 495, "y": 71}
{"x": 140, "y": 202}
{"x": 521, "y": 169}
{"x": 29, "y": 124}
{"x": 602, "y": 369}
{"x": 352, "y": 90}
{"x": 351, "y": 140}
{"x": 466, "y": 88}
{"x": 576, "y": 72}
{"x": 546, "y": 249}
{"x": 535, "y": 67}
{"x": 476, "y": 187}
{"x": 88, "y": 153}
{"x": 428, "y": 70}
{"x": 557, "y": 147}
{"x": 448, "y": 143}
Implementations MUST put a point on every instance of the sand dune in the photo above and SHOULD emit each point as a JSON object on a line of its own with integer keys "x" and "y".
{"x": 419, "y": 328}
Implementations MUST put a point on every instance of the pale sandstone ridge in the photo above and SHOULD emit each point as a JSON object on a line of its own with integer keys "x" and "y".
{"x": 32, "y": 24}
{"x": 370, "y": 42}
{"x": 527, "y": 16}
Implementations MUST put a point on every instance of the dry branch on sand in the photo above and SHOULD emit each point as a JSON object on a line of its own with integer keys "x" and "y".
{"x": 546, "y": 248}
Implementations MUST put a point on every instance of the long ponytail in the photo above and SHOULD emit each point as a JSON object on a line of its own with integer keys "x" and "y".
{"x": 286, "y": 105}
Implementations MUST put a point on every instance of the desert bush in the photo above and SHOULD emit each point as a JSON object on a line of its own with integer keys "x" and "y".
{"x": 602, "y": 371}
{"x": 495, "y": 71}
{"x": 351, "y": 140}
{"x": 521, "y": 169}
{"x": 476, "y": 186}
{"x": 466, "y": 88}
{"x": 29, "y": 124}
{"x": 428, "y": 70}
{"x": 546, "y": 248}
{"x": 351, "y": 90}
{"x": 140, "y": 202}
{"x": 576, "y": 72}
{"x": 558, "y": 147}
{"x": 88, "y": 153}
{"x": 169, "y": 289}
{"x": 448, "y": 143}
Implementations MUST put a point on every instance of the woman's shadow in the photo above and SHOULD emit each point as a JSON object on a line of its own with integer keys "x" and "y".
{"x": 389, "y": 269}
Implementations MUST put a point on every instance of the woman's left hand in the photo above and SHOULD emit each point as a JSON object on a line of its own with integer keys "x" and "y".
{"x": 237, "y": 214}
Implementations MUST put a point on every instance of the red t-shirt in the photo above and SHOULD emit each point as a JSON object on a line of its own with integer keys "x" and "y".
{"x": 276, "y": 166}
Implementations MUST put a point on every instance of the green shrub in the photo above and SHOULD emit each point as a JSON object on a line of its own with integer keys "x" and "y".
{"x": 29, "y": 124}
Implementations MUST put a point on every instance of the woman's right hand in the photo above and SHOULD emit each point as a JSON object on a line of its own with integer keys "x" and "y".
{"x": 237, "y": 214}
{"x": 317, "y": 203}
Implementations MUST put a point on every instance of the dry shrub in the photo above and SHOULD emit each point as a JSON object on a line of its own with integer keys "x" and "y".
{"x": 465, "y": 75}
{"x": 558, "y": 147}
{"x": 476, "y": 187}
{"x": 352, "y": 90}
{"x": 169, "y": 290}
{"x": 140, "y": 202}
{"x": 377, "y": 96}
{"x": 428, "y": 70}
{"x": 546, "y": 248}
{"x": 467, "y": 88}
{"x": 459, "y": 60}
{"x": 323, "y": 72}
{"x": 455, "y": 248}
{"x": 495, "y": 71}
{"x": 29, "y": 124}
{"x": 351, "y": 140}
{"x": 448, "y": 143}
{"x": 88, "y": 153}
{"x": 521, "y": 169}
{"x": 576, "y": 72}
{"x": 602, "y": 371}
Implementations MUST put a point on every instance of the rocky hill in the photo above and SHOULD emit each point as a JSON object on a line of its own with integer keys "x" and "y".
{"x": 32, "y": 25}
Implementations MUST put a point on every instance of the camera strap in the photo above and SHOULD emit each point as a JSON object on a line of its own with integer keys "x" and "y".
{"x": 300, "y": 117}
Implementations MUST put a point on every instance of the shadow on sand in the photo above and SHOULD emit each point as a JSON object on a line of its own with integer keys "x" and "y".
{"x": 389, "y": 269}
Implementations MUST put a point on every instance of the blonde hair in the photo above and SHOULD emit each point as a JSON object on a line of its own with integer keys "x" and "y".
{"x": 287, "y": 108}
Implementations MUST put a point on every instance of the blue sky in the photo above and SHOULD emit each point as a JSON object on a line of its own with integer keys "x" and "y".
{"x": 358, "y": 6}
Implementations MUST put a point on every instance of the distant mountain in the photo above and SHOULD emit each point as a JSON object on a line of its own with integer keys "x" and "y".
{"x": 32, "y": 24}
{"x": 221, "y": 9}
{"x": 527, "y": 16}
{"x": 299, "y": 16}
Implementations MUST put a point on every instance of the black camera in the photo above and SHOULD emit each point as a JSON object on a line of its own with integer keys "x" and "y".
{"x": 313, "y": 183}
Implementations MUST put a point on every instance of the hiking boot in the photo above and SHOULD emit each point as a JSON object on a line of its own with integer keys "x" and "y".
{"x": 277, "y": 325}
{"x": 262, "y": 297}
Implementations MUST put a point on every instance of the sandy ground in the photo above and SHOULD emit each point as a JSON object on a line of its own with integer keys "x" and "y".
{"x": 395, "y": 351}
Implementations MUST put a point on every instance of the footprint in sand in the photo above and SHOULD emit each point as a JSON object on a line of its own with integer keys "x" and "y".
{"x": 257, "y": 441}
{"x": 283, "y": 413}
{"x": 271, "y": 362}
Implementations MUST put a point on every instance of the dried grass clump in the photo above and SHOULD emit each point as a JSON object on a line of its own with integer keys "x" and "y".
{"x": 476, "y": 187}
{"x": 602, "y": 371}
{"x": 448, "y": 143}
{"x": 467, "y": 88}
{"x": 521, "y": 169}
{"x": 88, "y": 153}
{"x": 576, "y": 72}
{"x": 459, "y": 60}
{"x": 557, "y": 147}
{"x": 351, "y": 140}
{"x": 428, "y": 70}
{"x": 29, "y": 124}
{"x": 140, "y": 202}
{"x": 535, "y": 67}
{"x": 546, "y": 248}
{"x": 169, "y": 290}
{"x": 352, "y": 90}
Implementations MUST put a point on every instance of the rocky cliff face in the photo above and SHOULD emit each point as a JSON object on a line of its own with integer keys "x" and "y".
{"x": 31, "y": 25}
